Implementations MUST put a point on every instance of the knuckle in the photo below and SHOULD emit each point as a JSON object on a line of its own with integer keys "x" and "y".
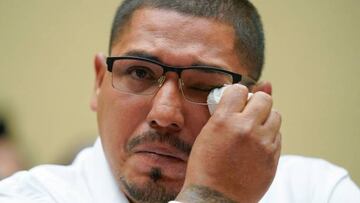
{"x": 234, "y": 92}
{"x": 219, "y": 120}
{"x": 270, "y": 149}
{"x": 276, "y": 144}
{"x": 267, "y": 147}
{"x": 270, "y": 145}
{"x": 277, "y": 114}
{"x": 265, "y": 97}
{"x": 245, "y": 128}
{"x": 240, "y": 89}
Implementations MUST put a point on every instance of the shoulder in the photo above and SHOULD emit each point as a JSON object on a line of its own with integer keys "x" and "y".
{"x": 304, "y": 174}
{"x": 303, "y": 179}
{"x": 46, "y": 183}
{"x": 292, "y": 166}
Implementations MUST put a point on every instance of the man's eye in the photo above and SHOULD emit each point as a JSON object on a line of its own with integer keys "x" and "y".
{"x": 140, "y": 73}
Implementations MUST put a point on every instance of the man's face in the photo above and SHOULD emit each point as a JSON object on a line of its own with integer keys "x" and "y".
{"x": 147, "y": 139}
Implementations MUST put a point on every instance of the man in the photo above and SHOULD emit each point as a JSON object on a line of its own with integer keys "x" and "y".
{"x": 159, "y": 143}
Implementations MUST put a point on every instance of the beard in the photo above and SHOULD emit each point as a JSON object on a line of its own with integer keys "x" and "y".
{"x": 151, "y": 191}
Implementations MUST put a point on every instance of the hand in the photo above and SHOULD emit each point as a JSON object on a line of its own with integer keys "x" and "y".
{"x": 236, "y": 154}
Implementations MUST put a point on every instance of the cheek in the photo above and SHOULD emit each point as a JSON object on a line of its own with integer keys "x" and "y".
{"x": 119, "y": 115}
{"x": 195, "y": 118}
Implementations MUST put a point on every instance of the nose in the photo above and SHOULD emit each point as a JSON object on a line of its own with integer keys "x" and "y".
{"x": 166, "y": 113}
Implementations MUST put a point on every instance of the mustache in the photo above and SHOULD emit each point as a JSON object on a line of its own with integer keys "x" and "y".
{"x": 152, "y": 136}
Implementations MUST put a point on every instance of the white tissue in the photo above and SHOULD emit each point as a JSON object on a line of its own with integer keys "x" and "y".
{"x": 214, "y": 98}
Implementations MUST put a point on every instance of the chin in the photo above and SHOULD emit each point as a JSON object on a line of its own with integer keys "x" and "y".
{"x": 146, "y": 177}
{"x": 149, "y": 188}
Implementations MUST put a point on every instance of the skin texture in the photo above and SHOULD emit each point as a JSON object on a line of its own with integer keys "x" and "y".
{"x": 9, "y": 158}
{"x": 235, "y": 151}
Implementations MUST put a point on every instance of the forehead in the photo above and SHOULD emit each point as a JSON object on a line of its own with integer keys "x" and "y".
{"x": 179, "y": 39}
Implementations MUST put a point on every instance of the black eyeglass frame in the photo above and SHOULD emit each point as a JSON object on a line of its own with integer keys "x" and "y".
{"x": 236, "y": 78}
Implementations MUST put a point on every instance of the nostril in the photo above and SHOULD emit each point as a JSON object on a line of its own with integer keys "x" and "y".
{"x": 153, "y": 123}
{"x": 174, "y": 125}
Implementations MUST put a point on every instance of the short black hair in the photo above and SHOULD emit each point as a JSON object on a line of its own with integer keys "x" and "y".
{"x": 240, "y": 14}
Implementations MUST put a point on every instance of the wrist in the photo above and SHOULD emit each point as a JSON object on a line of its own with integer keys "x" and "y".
{"x": 201, "y": 194}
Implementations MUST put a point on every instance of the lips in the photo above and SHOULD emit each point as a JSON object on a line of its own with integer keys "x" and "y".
{"x": 160, "y": 150}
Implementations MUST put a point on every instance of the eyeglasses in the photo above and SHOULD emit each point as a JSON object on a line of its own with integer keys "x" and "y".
{"x": 142, "y": 76}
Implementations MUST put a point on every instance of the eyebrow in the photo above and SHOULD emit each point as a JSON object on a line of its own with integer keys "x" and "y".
{"x": 143, "y": 54}
{"x": 149, "y": 56}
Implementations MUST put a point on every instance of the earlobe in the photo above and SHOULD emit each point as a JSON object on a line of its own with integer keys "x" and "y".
{"x": 264, "y": 86}
{"x": 94, "y": 100}
{"x": 100, "y": 69}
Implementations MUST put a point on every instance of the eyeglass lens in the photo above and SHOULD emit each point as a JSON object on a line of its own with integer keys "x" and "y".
{"x": 144, "y": 78}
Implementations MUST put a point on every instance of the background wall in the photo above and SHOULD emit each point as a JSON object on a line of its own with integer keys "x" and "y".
{"x": 312, "y": 58}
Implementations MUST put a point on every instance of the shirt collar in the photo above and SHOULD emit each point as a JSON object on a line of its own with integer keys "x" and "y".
{"x": 102, "y": 184}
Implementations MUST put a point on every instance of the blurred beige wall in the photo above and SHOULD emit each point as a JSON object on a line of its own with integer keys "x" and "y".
{"x": 312, "y": 58}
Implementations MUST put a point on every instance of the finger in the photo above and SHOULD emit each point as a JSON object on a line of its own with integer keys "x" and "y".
{"x": 277, "y": 144}
{"x": 258, "y": 107}
{"x": 273, "y": 123}
{"x": 233, "y": 99}
{"x": 264, "y": 86}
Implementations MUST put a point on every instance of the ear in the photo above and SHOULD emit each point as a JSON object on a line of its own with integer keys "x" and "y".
{"x": 100, "y": 70}
{"x": 264, "y": 86}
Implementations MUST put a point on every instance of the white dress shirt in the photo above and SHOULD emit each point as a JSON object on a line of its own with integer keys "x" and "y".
{"x": 89, "y": 180}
